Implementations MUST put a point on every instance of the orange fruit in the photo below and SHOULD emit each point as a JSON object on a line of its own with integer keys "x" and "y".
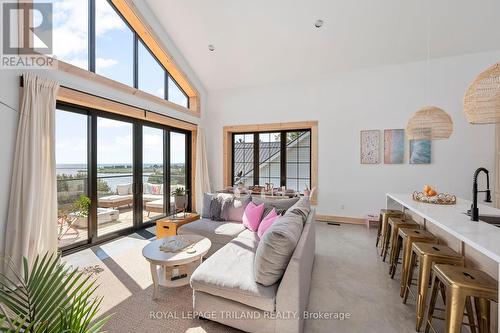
{"x": 427, "y": 188}
{"x": 432, "y": 193}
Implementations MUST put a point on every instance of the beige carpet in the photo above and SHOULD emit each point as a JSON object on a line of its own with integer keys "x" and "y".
{"x": 348, "y": 277}
{"x": 125, "y": 285}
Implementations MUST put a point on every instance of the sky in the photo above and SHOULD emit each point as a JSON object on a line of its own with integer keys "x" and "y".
{"x": 114, "y": 141}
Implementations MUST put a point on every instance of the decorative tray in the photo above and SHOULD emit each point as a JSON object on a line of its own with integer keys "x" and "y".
{"x": 176, "y": 245}
{"x": 439, "y": 199}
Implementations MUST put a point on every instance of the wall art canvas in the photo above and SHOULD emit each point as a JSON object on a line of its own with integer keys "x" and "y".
{"x": 370, "y": 147}
{"x": 394, "y": 146}
{"x": 420, "y": 151}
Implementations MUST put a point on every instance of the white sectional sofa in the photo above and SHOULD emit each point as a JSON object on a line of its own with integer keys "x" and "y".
{"x": 224, "y": 285}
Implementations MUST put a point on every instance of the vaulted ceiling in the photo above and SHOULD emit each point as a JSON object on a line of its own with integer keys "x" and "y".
{"x": 263, "y": 41}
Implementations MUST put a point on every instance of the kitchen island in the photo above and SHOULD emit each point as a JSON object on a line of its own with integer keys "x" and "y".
{"x": 478, "y": 241}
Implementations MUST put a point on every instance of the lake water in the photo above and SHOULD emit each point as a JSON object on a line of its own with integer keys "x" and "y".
{"x": 112, "y": 179}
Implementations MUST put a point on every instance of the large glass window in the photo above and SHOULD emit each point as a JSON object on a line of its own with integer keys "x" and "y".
{"x": 114, "y": 45}
{"x": 73, "y": 200}
{"x": 270, "y": 158}
{"x": 175, "y": 94}
{"x": 298, "y": 160}
{"x": 243, "y": 159}
{"x": 113, "y": 56}
{"x": 284, "y": 159}
{"x": 151, "y": 74}
{"x": 70, "y": 22}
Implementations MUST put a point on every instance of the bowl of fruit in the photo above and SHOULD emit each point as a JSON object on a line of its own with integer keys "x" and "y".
{"x": 431, "y": 195}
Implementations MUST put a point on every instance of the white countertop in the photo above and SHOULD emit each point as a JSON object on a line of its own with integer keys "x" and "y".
{"x": 451, "y": 218}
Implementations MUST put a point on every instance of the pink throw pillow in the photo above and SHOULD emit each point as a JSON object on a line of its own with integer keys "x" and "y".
{"x": 267, "y": 222}
{"x": 252, "y": 216}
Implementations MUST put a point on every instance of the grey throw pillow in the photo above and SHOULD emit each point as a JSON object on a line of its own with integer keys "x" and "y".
{"x": 207, "y": 200}
{"x": 300, "y": 208}
{"x": 234, "y": 207}
{"x": 216, "y": 208}
{"x": 276, "y": 248}
{"x": 276, "y": 203}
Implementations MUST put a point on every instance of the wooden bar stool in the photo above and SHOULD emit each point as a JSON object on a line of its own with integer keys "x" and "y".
{"x": 427, "y": 255}
{"x": 460, "y": 284}
{"x": 383, "y": 221}
{"x": 395, "y": 223}
{"x": 406, "y": 238}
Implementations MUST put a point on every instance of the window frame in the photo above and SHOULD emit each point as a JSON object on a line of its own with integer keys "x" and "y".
{"x": 136, "y": 40}
{"x": 283, "y": 155}
{"x": 138, "y": 124}
{"x": 227, "y": 134}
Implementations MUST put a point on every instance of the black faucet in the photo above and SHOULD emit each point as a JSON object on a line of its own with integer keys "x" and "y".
{"x": 474, "y": 211}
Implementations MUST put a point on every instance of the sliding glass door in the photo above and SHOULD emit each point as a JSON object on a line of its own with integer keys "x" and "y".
{"x": 115, "y": 174}
{"x": 154, "y": 192}
{"x": 179, "y": 180}
{"x": 73, "y": 202}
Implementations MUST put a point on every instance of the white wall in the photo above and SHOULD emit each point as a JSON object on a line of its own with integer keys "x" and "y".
{"x": 376, "y": 98}
{"x": 9, "y": 95}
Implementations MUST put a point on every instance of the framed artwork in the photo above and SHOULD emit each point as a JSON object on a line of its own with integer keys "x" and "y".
{"x": 394, "y": 146}
{"x": 420, "y": 151}
{"x": 370, "y": 147}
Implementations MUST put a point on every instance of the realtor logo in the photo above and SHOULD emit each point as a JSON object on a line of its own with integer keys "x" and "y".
{"x": 26, "y": 35}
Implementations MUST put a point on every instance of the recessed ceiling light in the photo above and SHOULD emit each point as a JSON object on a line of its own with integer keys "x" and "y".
{"x": 318, "y": 23}
{"x": 211, "y": 48}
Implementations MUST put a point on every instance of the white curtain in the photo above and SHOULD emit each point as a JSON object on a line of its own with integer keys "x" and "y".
{"x": 32, "y": 217}
{"x": 202, "y": 183}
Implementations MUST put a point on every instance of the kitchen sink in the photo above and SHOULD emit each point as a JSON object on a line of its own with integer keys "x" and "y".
{"x": 490, "y": 219}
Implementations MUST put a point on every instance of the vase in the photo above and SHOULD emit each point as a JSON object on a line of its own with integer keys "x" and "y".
{"x": 180, "y": 202}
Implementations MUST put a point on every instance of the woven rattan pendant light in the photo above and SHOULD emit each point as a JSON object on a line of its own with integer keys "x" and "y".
{"x": 430, "y": 122}
{"x": 482, "y": 98}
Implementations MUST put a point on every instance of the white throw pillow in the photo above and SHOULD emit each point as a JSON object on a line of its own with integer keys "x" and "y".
{"x": 124, "y": 189}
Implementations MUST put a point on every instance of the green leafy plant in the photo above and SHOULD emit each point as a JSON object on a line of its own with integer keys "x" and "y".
{"x": 82, "y": 206}
{"x": 48, "y": 298}
{"x": 178, "y": 192}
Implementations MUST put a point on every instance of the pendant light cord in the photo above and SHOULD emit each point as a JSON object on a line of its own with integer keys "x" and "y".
{"x": 428, "y": 71}
{"x": 8, "y": 106}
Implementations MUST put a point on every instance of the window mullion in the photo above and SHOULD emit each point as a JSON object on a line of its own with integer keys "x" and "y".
{"x": 188, "y": 169}
{"x": 166, "y": 84}
{"x": 166, "y": 171}
{"x": 283, "y": 159}
{"x": 256, "y": 159}
{"x": 91, "y": 36}
{"x": 92, "y": 178}
{"x": 136, "y": 61}
{"x": 137, "y": 172}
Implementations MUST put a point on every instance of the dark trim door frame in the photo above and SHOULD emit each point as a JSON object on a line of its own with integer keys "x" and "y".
{"x": 137, "y": 167}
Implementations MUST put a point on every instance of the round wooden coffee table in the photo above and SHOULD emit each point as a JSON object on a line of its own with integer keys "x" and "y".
{"x": 173, "y": 269}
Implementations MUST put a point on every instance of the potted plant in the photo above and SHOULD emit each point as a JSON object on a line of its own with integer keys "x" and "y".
{"x": 48, "y": 296}
{"x": 180, "y": 198}
{"x": 81, "y": 209}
